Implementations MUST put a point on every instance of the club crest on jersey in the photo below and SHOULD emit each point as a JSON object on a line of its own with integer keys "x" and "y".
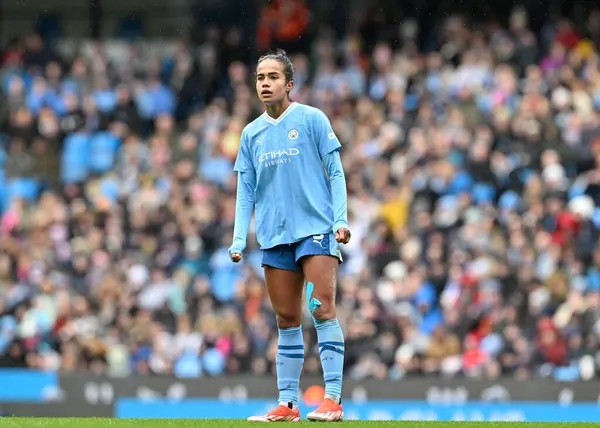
{"x": 293, "y": 134}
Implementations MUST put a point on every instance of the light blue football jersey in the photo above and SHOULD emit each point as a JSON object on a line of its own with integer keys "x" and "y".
{"x": 292, "y": 196}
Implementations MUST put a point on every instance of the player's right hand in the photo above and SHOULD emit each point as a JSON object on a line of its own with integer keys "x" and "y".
{"x": 236, "y": 257}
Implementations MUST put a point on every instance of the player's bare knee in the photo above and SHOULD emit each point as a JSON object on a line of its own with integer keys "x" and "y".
{"x": 288, "y": 320}
{"x": 325, "y": 311}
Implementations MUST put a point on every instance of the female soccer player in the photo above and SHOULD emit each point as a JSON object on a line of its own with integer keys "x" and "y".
{"x": 290, "y": 172}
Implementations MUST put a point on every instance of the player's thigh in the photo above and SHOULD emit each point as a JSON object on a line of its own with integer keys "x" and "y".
{"x": 284, "y": 280}
{"x": 320, "y": 257}
{"x": 285, "y": 292}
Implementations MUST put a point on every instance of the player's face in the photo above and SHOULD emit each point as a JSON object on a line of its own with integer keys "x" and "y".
{"x": 271, "y": 86}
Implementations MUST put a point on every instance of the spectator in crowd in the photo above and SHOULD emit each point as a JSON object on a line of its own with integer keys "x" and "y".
{"x": 285, "y": 24}
{"x": 473, "y": 176}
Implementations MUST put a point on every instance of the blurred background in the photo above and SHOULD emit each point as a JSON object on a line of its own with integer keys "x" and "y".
{"x": 471, "y": 145}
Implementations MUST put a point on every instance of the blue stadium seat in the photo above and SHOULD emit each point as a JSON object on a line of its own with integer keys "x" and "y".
{"x": 106, "y": 101}
{"x": 72, "y": 173}
{"x": 75, "y": 158}
{"x": 77, "y": 146}
{"x": 483, "y": 193}
{"x": 103, "y": 149}
{"x": 24, "y": 188}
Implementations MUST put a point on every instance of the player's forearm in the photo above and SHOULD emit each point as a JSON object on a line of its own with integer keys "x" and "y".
{"x": 333, "y": 165}
{"x": 243, "y": 211}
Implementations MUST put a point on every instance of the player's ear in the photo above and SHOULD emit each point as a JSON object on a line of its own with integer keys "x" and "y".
{"x": 289, "y": 86}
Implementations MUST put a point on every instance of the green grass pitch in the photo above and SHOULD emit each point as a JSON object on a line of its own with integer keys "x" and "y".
{"x": 224, "y": 423}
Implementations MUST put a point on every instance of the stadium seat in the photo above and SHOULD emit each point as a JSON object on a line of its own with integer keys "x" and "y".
{"x": 24, "y": 188}
{"x": 102, "y": 152}
{"x": 75, "y": 158}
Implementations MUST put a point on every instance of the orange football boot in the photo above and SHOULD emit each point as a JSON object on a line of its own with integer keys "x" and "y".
{"x": 280, "y": 413}
{"x": 328, "y": 411}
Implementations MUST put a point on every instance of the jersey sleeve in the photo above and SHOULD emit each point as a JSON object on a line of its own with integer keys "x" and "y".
{"x": 324, "y": 135}
{"x": 243, "y": 210}
{"x": 243, "y": 162}
{"x": 335, "y": 171}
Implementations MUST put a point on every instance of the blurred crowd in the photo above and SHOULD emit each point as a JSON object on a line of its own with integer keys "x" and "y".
{"x": 473, "y": 172}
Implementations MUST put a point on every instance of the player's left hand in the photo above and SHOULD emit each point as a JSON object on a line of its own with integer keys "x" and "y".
{"x": 236, "y": 257}
{"x": 342, "y": 235}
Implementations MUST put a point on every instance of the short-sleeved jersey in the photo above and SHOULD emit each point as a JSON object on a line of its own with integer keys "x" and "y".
{"x": 292, "y": 195}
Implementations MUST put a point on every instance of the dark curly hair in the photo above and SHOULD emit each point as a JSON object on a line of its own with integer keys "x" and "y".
{"x": 281, "y": 56}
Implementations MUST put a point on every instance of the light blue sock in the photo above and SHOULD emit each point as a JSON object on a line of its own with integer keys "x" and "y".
{"x": 331, "y": 349}
{"x": 290, "y": 359}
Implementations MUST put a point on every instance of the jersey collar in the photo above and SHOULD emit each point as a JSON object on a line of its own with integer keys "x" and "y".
{"x": 269, "y": 119}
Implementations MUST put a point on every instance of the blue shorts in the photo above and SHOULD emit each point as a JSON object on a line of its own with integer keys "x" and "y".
{"x": 287, "y": 256}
